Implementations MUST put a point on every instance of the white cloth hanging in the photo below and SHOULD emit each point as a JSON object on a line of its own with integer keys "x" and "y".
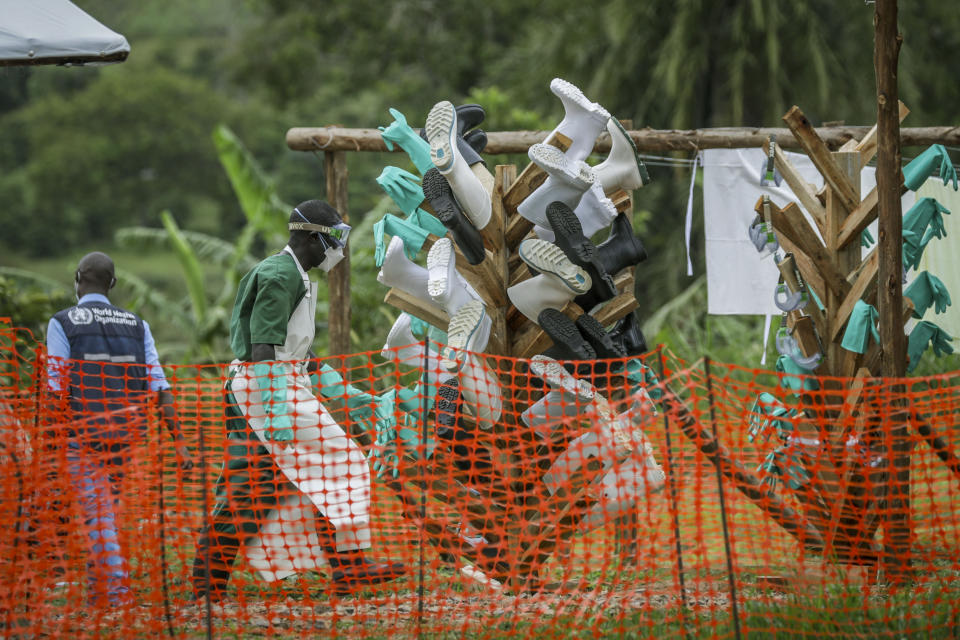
{"x": 738, "y": 280}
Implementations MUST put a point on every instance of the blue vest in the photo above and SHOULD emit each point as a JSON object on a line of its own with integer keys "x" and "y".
{"x": 107, "y": 369}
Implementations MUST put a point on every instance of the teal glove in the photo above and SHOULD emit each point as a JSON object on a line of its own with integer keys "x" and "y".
{"x": 272, "y": 382}
{"x": 403, "y": 188}
{"x": 926, "y": 212}
{"x": 427, "y": 222}
{"x": 768, "y": 411}
{"x": 782, "y": 462}
{"x": 331, "y": 385}
{"x": 384, "y": 452}
{"x": 922, "y": 167}
{"x": 422, "y": 329}
{"x": 641, "y": 375}
{"x": 785, "y": 364}
{"x": 927, "y": 289}
{"x": 413, "y": 237}
{"x": 913, "y": 248}
{"x": 417, "y": 148}
{"x": 866, "y": 239}
{"x": 860, "y": 327}
{"x": 923, "y": 334}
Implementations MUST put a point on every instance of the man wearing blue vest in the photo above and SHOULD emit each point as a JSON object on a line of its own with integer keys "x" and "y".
{"x": 102, "y": 359}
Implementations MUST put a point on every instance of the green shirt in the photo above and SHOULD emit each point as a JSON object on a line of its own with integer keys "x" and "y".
{"x": 266, "y": 298}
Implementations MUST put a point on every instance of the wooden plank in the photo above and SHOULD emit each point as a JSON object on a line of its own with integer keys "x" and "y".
{"x": 793, "y": 225}
{"x": 338, "y": 318}
{"x": 526, "y": 183}
{"x": 334, "y": 138}
{"x": 865, "y": 279}
{"x": 492, "y": 234}
{"x": 861, "y": 217}
{"x": 819, "y": 154}
{"x": 427, "y": 312}
{"x": 801, "y": 188}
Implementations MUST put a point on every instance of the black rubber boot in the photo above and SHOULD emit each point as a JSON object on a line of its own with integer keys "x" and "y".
{"x": 569, "y": 343}
{"x": 437, "y": 191}
{"x": 602, "y": 342}
{"x": 477, "y": 139}
{"x": 622, "y": 248}
{"x": 629, "y": 337}
{"x": 578, "y": 248}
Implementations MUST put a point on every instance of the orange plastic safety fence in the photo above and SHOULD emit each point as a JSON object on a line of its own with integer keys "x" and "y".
{"x": 637, "y": 498}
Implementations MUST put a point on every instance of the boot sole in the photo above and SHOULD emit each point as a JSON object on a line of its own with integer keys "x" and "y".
{"x": 438, "y": 265}
{"x": 555, "y": 163}
{"x": 441, "y": 128}
{"x": 553, "y": 373}
{"x": 564, "y": 333}
{"x": 462, "y": 328}
{"x": 547, "y": 257}
{"x": 603, "y": 344}
{"x": 560, "y": 87}
{"x": 579, "y": 249}
{"x": 448, "y": 402}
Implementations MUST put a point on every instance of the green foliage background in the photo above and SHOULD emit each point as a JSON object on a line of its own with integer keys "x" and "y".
{"x": 85, "y": 152}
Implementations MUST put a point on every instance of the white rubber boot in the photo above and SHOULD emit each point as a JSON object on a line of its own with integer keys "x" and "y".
{"x": 596, "y": 211}
{"x": 441, "y": 128}
{"x": 400, "y": 272}
{"x": 469, "y": 330}
{"x": 566, "y": 182}
{"x": 620, "y": 491}
{"x": 445, "y": 284}
{"x": 546, "y": 257}
{"x": 623, "y": 168}
{"x": 540, "y": 292}
{"x": 583, "y": 120}
{"x": 593, "y": 445}
{"x": 480, "y": 391}
{"x": 405, "y": 348}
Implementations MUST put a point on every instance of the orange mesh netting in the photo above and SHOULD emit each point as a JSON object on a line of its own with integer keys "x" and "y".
{"x": 644, "y": 498}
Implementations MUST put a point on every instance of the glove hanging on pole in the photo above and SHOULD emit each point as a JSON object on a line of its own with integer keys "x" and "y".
{"x": 923, "y": 166}
{"x": 927, "y": 333}
{"x": 925, "y": 290}
{"x": 860, "y": 327}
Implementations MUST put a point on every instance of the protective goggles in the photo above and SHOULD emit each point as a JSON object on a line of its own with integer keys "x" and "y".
{"x": 338, "y": 233}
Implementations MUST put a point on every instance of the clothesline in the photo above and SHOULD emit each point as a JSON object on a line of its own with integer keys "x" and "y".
{"x": 664, "y": 161}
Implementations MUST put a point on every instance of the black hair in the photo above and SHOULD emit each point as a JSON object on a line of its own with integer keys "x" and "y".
{"x": 317, "y": 212}
{"x": 96, "y": 269}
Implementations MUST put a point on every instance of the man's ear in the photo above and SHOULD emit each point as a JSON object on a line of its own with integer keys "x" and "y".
{"x": 76, "y": 277}
{"x": 113, "y": 281}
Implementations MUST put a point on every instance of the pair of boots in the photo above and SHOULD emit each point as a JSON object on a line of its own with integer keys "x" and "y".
{"x": 569, "y": 177}
{"x": 441, "y": 284}
{"x": 573, "y": 268}
{"x": 454, "y": 191}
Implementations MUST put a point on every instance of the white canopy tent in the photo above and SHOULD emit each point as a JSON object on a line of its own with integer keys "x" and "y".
{"x": 55, "y": 32}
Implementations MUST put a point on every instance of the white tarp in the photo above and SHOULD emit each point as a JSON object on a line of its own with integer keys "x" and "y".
{"x": 55, "y": 32}
{"x": 738, "y": 280}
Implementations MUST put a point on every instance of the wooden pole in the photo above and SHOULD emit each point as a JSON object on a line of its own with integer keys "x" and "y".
{"x": 335, "y": 170}
{"x": 886, "y": 50}
{"x": 658, "y": 140}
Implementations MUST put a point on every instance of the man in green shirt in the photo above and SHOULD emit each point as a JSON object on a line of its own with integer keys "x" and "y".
{"x": 295, "y": 489}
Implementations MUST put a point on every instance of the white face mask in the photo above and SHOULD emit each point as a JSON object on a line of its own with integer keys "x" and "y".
{"x": 331, "y": 258}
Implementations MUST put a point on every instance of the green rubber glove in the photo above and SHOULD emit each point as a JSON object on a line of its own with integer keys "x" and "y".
{"x": 402, "y": 134}
{"x": 860, "y": 327}
{"x": 924, "y": 334}
{"x": 428, "y": 222}
{"x": 403, "y": 188}
{"x": 272, "y": 381}
{"x": 384, "y": 452}
{"x": 784, "y": 463}
{"x": 923, "y": 166}
{"x": 913, "y": 248}
{"x": 785, "y": 364}
{"x": 641, "y": 375}
{"x": 768, "y": 411}
{"x": 926, "y": 212}
{"x": 866, "y": 239}
{"x": 925, "y": 290}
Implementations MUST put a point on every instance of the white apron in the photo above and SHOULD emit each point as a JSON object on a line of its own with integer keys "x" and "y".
{"x": 325, "y": 464}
